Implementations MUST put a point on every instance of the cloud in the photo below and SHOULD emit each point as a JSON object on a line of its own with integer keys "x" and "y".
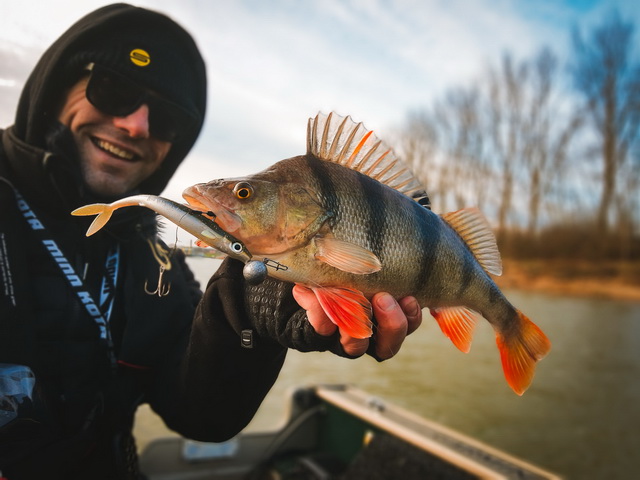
{"x": 271, "y": 65}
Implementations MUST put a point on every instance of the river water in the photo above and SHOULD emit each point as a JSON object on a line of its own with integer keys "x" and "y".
{"x": 580, "y": 418}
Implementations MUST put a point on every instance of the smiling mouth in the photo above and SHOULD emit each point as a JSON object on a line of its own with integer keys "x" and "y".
{"x": 114, "y": 151}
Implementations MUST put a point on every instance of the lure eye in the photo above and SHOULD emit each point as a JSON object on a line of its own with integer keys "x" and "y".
{"x": 243, "y": 190}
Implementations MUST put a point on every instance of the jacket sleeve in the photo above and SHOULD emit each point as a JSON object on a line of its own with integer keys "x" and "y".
{"x": 223, "y": 379}
{"x": 221, "y": 384}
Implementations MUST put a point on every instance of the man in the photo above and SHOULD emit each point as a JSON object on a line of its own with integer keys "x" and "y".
{"x": 111, "y": 110}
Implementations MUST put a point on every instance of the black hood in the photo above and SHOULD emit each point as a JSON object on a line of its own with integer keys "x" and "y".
{"x": 178, "y": 72}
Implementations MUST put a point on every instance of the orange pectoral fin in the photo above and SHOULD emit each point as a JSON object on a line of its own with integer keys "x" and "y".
{"x": 347, "y": 308}
{"x": 458, "y": 324}
{"x": 520, "y": 352}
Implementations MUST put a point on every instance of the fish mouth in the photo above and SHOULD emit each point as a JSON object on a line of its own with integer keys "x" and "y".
{"x": 224, "y": 216}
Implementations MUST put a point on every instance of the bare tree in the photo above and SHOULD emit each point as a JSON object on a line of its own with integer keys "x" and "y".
{"x": 507, "y": 142}
{"x": 417, "y": 146}
{"x": 459, "y": 123}
{"x": 446, "y": 144}
{"x": 609, "y": 82}
{"x": 506, "y": 123}
{"x": 548, "y": 131}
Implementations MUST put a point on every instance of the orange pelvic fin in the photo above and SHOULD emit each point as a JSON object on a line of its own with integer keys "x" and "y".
{"x": 519, "y": 353}
{"x": 458, "y": 324}
{"x": 347, "y": 308}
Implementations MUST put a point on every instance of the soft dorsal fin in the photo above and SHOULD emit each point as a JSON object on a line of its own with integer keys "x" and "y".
{"x": 341, "y": 140}
{"x": 475, "y": 230}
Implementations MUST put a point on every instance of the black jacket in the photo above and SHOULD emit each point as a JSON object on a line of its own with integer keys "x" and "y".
{"x": 180, "y": 353}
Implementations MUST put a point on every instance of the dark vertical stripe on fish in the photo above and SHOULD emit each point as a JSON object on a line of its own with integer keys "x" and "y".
{"x": 430, "y": 238}
{"x": 331, "y": 202}
{"x": 495, "y": 296}
{"x": 376, "y": 214}
{"x": 468, "y": 274}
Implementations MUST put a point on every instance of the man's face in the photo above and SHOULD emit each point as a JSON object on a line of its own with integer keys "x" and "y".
{"x": 116, "y": 153}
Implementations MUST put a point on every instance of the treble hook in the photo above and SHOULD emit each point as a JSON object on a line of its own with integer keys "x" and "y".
{"x": 161, "y": 290}
{"x": 162, "y": 257}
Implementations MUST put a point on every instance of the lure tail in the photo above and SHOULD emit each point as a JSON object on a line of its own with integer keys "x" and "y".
{"x": 519, "y": 352}
{"x": 103, "y": 212}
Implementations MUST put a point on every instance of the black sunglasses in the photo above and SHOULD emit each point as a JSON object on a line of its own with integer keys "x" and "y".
{"x": 116, "y": 95}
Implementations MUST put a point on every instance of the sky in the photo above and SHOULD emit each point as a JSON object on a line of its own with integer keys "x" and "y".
{"x": 273, "y": 64}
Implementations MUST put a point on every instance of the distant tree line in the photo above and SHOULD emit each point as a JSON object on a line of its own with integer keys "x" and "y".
{"x": 548, "y": 151}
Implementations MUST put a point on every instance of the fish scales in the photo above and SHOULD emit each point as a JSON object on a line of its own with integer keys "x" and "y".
{"x": 411, "y": 241}
{"x": 354, "y": 197}
{"x": 375, "y": 217}
{"x": 346, "y": 220}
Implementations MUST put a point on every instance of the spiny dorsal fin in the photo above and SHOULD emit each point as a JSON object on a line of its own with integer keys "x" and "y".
{"x": 340, "y": 140}
{"x": 475, "y": 230}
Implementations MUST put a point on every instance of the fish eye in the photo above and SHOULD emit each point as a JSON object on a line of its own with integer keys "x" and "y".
{"x": 243, "y": 190}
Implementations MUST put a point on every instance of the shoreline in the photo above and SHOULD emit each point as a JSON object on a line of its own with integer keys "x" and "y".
{"x": 608, "y": 280}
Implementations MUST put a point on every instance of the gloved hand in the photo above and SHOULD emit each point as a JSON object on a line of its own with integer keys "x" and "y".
{"x": 267, "y": 312}
{"x": 273, "y": 314}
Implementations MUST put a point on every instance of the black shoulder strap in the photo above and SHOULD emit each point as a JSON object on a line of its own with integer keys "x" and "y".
{"x": 16, "y": 314}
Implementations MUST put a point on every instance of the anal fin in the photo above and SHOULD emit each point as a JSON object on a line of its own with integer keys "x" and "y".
{"x": 458, "y": 324}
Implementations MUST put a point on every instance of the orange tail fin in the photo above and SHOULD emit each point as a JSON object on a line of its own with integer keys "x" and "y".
{"x": 347, "y": 308}
{"x": 458, "y": 324}
{"x": 519, "y": 353}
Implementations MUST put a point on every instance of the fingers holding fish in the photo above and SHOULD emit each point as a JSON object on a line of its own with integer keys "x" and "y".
{"x": 392, "y": 324}
{"x": 315, "y": 313}
{"x": 395, "y": 320}
{"x": 413, "y": 312}
{"x": 354, "y": 347}
{"x": 321, "y": 323}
